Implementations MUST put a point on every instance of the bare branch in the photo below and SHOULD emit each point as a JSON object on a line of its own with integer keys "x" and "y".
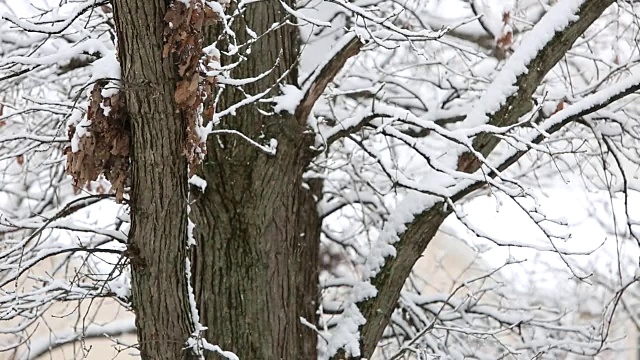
{"x": 420, "y": 231}
{"x": 51, "y": 342}
{"x": 325, "y": 76}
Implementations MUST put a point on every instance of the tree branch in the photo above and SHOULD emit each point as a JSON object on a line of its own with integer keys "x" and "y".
{"x": 518, "y": 102}
{"x": 419, "y": 232}
{"x": 325, "y": 76}
{"x": 50, "y": 342}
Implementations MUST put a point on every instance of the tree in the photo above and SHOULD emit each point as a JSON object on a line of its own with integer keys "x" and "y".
{"x": 234, "y": 168}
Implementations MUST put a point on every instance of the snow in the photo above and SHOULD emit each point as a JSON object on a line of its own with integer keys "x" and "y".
{"x": 107, "y": 67}
{"x": 289, "y": 100}
{"x": 81, "y": 124}
{"x": 406, "y": 210}
{"x": 495, "y": 96}
{"x": 212, "y": 51}
{"x": 273, "y": 145}
{"x": 216, "y": 7}
{"x": 231, "y": 110}
{"x": 387, "y": 27}
{"x": 205, "y": 131}
{"x": 594, "y": 100}
{"x": 56, "y": 21}
{"x": 346, "y": 334}
{"x": 198, "y": 182}
{"x": 394, "y": 222}
{"x": 121, "y": 286}
{"x": 38, "y": 346}
{"x": 193, "y": 306}
{"x": 191, "y": 241}
{"x": 303, "y": 17}
{"x": 195, "y": 316}
{"x": 62, "y": 56}
{"x": 34, "y": 137}
{"x": 196, "y": 342}
{"x": 223, "y": 79}
{"x": 215, "y": 348}
{"x": 404, "y": 213}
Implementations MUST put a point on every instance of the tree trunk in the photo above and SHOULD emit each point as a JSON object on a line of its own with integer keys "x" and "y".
{"x": 257, "y": 228}
{"x": 157, "y": 239}
{"x": 255, "y": 265}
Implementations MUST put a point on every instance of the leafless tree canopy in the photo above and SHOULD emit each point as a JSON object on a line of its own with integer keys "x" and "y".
{"x": 257, "y": 179}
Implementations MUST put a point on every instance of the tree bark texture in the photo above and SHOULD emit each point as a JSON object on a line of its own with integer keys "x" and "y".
{"x": 255, "y": 267}
{"x": 157, "y": 239}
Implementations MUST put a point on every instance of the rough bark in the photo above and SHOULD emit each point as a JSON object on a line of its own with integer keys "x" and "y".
{"x": 157, "y": 239}
{"x": 256, "y": 263}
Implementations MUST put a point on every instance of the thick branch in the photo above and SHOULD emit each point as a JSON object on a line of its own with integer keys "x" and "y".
{"x": 390, "y": 280}
{"x": 325, "y": 76}
{"x": 519, "y": 102}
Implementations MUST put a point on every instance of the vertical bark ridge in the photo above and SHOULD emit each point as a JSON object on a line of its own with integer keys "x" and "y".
{"x": 257, "y": 228}
{"x": 157, "y": 239}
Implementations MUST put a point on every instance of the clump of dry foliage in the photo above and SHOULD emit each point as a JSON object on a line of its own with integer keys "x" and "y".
{"x": 183, "y": 41}
{"x": 105, "y": 149}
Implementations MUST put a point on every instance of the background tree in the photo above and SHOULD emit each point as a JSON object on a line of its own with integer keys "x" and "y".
{"x": 235, "y": 165}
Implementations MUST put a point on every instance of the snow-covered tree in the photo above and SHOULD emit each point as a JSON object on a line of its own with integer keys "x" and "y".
{"x": 257, "y": 179}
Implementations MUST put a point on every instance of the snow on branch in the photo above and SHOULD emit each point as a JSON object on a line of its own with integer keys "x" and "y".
{"x": 57, "y": 23}
{"x": 588, "y": 105}
{"x": 505, "y": 100}
{"x": 303, "y": 17}
{"x": 89, "y": 46}
{"x": 324, "y": 74}
{"x": 45, "y": 344}
{"x": 508, "y": 82}
{"x": 509, "y": 96}
{"x": 386, "y": 25}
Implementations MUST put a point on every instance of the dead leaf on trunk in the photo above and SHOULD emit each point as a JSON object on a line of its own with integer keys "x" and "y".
{"x": 183, "y": 41}
{"x": 105, "y": 148}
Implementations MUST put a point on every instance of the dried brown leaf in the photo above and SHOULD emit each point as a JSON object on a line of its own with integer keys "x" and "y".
{"x": 106, "y": 149}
